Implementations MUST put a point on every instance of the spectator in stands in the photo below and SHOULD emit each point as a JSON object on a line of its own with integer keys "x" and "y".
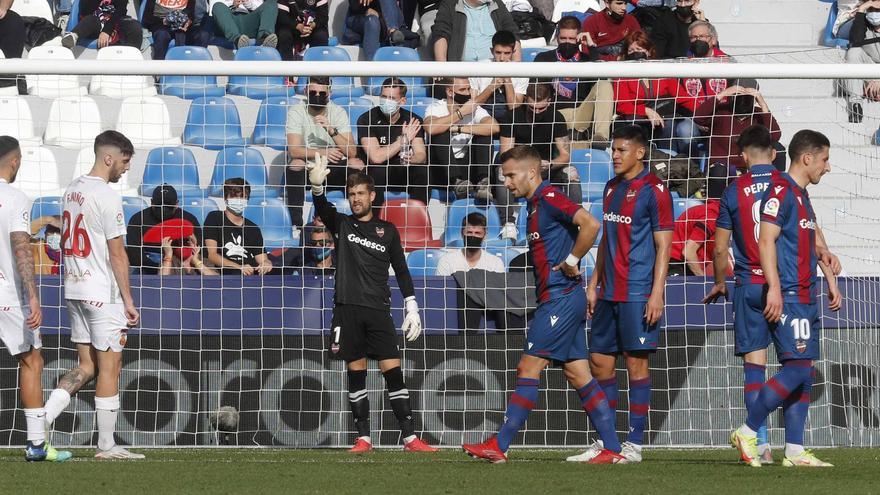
{"x": 319, "y": 128}
{"x": 426, "y": 11}
{"x": 472, "y": 255}
{"x": 500, "y": 95}
{"x": 864, "y": 48}
{"x": 12, "y": 37}
{"x": 173, "y": 20}
{"x": 319, "y": 260}
{"x": 693, "y": 245}
{"x": 372, "y": 23}
{"x": 107, "y": 21}
{"x": 604, "y": 31}
{"x": 47, "y": 249}
{"x": 670, "y": 33}
{"x": 460, "y": 146}
{"x": 183, "y": 257}
{"x": 240, "y": 20}
{"x": 538, "y": 124}
{"x": 846, "y": 12}
{"x": 463, "y": 29}
{"x": 704, "y": 41}
{"x": 234, "y": 243}
{"x": 727, "y": 114}
{"x": 586, "y": 104}
{"x": 392, "y": 143}
{"x": 301, "y": 24}
{"x": 148, "y": 227}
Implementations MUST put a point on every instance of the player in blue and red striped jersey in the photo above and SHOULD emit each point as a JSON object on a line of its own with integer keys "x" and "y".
{"x": 560, "y": 233}
{"x": 626, "y": 291}
{"x": 739, "y": 218}
{"x": 787, "y": 250}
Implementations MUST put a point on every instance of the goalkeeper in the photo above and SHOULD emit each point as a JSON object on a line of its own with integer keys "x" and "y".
{"x": 362, "y": 326}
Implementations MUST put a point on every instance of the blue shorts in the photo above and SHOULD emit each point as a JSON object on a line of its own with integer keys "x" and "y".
{"x": 558, "y": 329}
{"x": 621, "y": 326}
{"x": 751, "y": 331}
{"x": 796, "y": 336}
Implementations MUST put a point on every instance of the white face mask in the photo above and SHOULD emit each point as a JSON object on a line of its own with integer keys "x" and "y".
{"x": 236, "y": 205}
{"x": 873, "y": 18}
{"x": 54, "y": 241}
{"x": 388, "y": 106}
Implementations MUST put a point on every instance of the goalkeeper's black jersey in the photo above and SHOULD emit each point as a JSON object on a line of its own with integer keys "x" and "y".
{"x": 364, "y": 251}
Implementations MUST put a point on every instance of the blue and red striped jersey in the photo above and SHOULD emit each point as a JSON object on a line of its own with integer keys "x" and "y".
{"x": 788, "y": 206}
{"x": 632, "y": 211}
{"x": 740, "y": 213}
{"x": 551, "y": 235}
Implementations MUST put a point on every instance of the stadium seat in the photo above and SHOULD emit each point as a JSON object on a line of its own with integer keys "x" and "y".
{"x": 338, "y": 200}
{"x": 176, "y": 166}
{"x": 213, "y": 123}
{"x": 132, "y": 205}
{"x": 681, "y": 205}
{"x": 189, "y": 87}
{"x": 258, "y": 87}
{"x": 529, "y": 54}
{"x": 53, "y": 86}
{"x": 46, "y": 206}
{"x": 588, "y": 263}
{"x": 411, "y": 218}
{"x": 146, "y": 122}
{"x": 273, "y": 218}
{"x": 594, "y": 168}
{"x": 418, "y": 104}
{"x": 38, "y": 175}
{"x": 355, "y": 107}
{"x": 242, "y": 162}
{"x": 339, "y": 85}
{"x": 574, "y": 13}
{"x": 458, "y": 210}
{"x": 73, "y": 122}
{"x": 121, "y": 86}
{"x": 271, "y": 127}
{"x": 521, "y": 226}
{"x": 16, "y": 121}
{"x": 85, "y": 160}
{"x": 414, "y": 85}
{"x": 505, "y": 253}
{"x": 34, "y": 8}
{"x": 828, "y": 38}
{"x": 423, "y": 262}
{"x": 198, "y": 205}
{"x": 596, "y": 209}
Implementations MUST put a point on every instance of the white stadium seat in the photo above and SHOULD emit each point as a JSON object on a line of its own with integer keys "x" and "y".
{"x": 84, "y": 162}
{"x": 33, "y": 8}
{"x": 121, "y": 86}
{"x": 146, "y": 122}
{"x": 8, "y": 90}
{"x": 53, "y": 86}
{"x": 16, "y": 120}
{"x": 73, "y": 122}
{"x": 38, "y": 175}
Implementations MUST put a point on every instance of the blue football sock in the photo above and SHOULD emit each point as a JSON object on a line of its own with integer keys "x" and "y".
{"x": 609, "y": 386}
{"x": 753, "y": 380}
{"x": 639, "y": 403}
{"x": 521, "y": 403}
{"x": 795, "y": 409}
{"x": 601, "y": 416}
{"x": 793, "y": 374}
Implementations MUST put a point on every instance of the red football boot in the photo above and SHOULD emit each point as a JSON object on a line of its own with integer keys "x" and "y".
{"x": 418, "y": 445}
{"x": 487, "y": 450}
{"x": 361, "y": 446}
{"x": 607, "y": 457}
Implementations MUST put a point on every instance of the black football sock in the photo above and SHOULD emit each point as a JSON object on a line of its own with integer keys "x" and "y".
{"x": 359, "y": 402}
{"x": 399, "y": 396}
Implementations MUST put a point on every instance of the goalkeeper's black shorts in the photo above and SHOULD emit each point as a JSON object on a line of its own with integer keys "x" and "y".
{"x": 358, "y": 332}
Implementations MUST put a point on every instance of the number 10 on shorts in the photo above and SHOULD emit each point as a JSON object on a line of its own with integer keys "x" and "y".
{"x": 801, "y": 328}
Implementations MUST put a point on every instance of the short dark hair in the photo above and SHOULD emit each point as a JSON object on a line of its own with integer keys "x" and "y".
{"x": 755, "y": 136}
{"x": 521, "y": 152}
{"x": 360, "y": 178}
{"x": 395, "y": 82}
{"x": 539, "y": 91}
{"x": 474, "y": 219}
{"x": 8, "y": 144}
{"x": 504, "y": 38}
{"x": 320, "y": 80}
{"x": 806, "y": 141}
{"x": 568, "y": 22}
{"x": 631, "y": 133}
{"x": 115, "y": 139}
{"x": 236, "y": 186}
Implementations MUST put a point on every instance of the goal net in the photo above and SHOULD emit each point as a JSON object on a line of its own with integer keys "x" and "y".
{"x": 235, "y": 359}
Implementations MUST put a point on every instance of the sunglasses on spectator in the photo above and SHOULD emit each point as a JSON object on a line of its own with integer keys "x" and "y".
{"x": 701, "y": 36}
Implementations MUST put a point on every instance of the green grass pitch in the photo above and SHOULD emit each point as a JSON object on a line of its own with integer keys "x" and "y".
{"x": 270, "y": 471}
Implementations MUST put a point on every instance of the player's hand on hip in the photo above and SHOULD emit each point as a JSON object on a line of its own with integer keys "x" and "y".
{"x": 35, "y": 319}
{"x": 592, "y": 299}
{"x": 716, "y": 292}
{"x": 835, "y": 299}
{"x": 131, "y": 315}
{"x": 773, "y": 308}
{"x": 654, "y": 309}
{"x": 570, "y": 271}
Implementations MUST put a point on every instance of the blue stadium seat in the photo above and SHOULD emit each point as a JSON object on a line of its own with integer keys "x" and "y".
{"x": 596, "y": 210}
{"x": 171, "y": 165}
{"x": 681, "y": 205}
{"x": 198, "y": 205}
{"x": 414, "y": 85}
{"x": 461, "y": 208}
{"x": 529, "y": 54}
{"x": 355, "y": 107}
{"x": 339, "y": 85}
{"x": 273, "y": 218}
{"x": 505, "y": 253}
{"x": 189, "y": 87}
{"x": 418, "y": 104}
{"x": 828, "y": 38}
{"x": 46, "y": 206}
{"x": 242, "y": 162}
{"x": 271, "y": 127}
{"x": 258, "y": 87}
{"x": 132, "y": 205}
{"x": 521, "y": 227}
{"x": 73, "y": 20}
{"x": 594, "y": 168}
{"x": 213, "y": 123}
{"x": 423, "y": 262}
{"x": 588, "y": 263}
{"x": 574, "y": 13}
{"x": 338, "y": 200}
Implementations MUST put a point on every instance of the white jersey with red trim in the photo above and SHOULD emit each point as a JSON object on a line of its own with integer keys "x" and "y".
{"x": 14, "y": 217}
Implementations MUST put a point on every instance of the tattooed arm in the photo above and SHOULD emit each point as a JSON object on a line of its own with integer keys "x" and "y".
{"x": 24, "y": 262}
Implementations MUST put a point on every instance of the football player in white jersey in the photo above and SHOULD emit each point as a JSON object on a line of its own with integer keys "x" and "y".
{"x": 96, "y": 286}
{"x": 20, "y": 314}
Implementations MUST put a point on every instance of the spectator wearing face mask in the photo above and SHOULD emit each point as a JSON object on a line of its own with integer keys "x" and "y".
{"x": 864, "y": 48}
{"x": 606, "y": 30}
{"x": 234, "y": 243}
{"x": 164, "y": 207}
{"x": 472, "y": 255}
{"x": 319, "y": 260}
{"x": 392, "y": 143}
{"x": 670, "y": 33}
{"x": 47, "y": 249}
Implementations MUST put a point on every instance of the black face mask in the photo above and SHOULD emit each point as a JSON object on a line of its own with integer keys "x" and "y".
{"x": 684, "y": 12}
{"x": 700, "y": 48}
{"x": 743, "y": 105}
{"x": 473, "y": 242}
{"x": 164, "y": 212}
{"x": 317, "y": 99}
{"x": 460, "y": 98}
{"x": 615, "y": 16}
{"x": 636, "y": 56}
{"x": 567, "y": 50}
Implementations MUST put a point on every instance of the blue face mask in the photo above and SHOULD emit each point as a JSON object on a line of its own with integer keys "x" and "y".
{"x": 321, "y": 253}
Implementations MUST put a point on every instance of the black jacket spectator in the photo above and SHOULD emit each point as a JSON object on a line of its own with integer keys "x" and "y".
{"x": 670, "y": 33}
{"x": 148, "y": 256}
{"x": 113, "y": 22}
{"x": 12, "y": 38}
{"x": 301, "y": 23}
{"x": 451, "y": 25}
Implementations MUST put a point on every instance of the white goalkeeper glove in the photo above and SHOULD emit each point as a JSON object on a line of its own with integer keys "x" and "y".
{"x": 318, "y": 172}
{"x": 412, "y": 323}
